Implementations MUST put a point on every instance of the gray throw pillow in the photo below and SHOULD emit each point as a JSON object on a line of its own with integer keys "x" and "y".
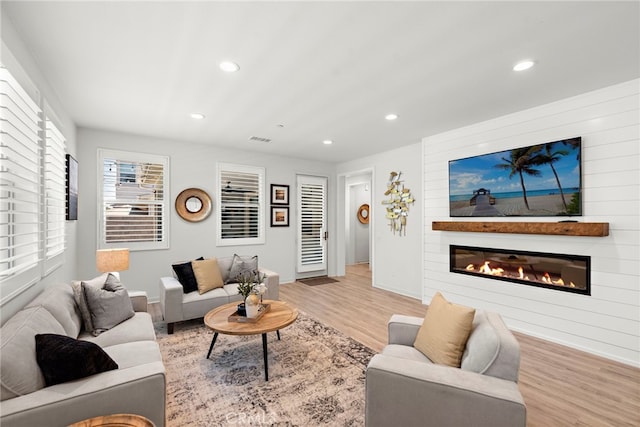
{"x": 78, "y": 295}
{"x": 109, "y": 305}
{"x": 241, "y": 265}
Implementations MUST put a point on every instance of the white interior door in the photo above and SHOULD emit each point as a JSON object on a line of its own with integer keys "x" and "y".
{"x": 312, "y": 223}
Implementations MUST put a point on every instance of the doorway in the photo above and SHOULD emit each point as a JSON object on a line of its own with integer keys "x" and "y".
{"x": 358, "y": 221}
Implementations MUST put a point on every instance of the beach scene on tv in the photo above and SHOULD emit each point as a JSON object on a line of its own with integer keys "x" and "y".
{"x": 538, "y": 180}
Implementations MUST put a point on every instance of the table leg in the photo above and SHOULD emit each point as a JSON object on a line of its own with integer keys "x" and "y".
{"x": 266, "y": 362}
{"x": 213, "y": 341}
{"x": 278, "y": 332}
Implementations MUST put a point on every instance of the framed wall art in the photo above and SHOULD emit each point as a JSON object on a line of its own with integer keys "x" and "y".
{"x": 279, "y": 216}
{"x": 279, "y": 194}
{"x": 72, "y": 188}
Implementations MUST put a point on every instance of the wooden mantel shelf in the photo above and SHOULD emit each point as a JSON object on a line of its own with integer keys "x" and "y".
{"x": 596, "y": 229}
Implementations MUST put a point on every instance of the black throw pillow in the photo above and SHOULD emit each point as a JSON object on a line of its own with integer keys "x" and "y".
{"x": 63, "y": 358}
{"x": 186, "y": 277}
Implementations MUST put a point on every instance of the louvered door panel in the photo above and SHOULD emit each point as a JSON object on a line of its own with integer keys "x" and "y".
{"x": 312, "y": 199}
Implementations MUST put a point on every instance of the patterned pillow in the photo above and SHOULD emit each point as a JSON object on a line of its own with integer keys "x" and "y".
{"x": 241, "y": 265}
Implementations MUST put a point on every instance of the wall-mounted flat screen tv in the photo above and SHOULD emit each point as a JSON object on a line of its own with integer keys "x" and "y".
{"x": 538, "y": 180}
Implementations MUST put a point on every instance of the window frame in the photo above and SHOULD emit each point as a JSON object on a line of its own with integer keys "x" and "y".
{"x": 260, "y": 172}
{"x": 133, "y": 157}
{"x": 54, "y": 208}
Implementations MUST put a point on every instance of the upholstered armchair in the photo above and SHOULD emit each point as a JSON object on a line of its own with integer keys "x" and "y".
{"x": 404, "y": 388}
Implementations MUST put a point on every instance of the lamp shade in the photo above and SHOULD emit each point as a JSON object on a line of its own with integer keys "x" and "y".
{"x": 112, "y": 260}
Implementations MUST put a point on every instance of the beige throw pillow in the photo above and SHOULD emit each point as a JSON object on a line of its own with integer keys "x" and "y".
{"x": 207, "y": 274}
{"x": 444, "y": 332}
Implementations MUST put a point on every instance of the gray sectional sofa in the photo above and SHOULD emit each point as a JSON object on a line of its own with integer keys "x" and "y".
{"x": 136, "y": 387}
{"x": 177, "y": 306}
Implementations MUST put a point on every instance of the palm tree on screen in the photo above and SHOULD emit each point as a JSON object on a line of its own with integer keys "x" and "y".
{"x": 522, "y": 161}
{"x": 550, "y": 156}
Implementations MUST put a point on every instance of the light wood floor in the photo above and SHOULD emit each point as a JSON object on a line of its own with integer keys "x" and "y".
{"x": 561, "y": 386}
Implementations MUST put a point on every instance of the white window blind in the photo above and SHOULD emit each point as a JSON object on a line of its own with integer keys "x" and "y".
{"x": 134, "y": 203}
{"x": 20, "y": 172}
{"x": 54, "y": 187}
{"x": 241, "y": 207}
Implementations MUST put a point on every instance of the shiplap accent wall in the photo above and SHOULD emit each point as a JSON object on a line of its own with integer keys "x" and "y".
{"x": 606, "y": 323}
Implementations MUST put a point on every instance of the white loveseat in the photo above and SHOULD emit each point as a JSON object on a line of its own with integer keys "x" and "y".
{"x": 178, "y": 306}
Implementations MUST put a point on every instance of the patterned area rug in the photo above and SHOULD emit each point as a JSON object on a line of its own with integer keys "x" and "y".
{"x": 316, "y": 377}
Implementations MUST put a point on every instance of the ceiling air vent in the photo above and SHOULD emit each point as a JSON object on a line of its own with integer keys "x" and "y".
{"x": 259, "y": 139}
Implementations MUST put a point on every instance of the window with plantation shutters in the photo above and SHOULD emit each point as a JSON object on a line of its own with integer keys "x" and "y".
{"x": 241, "y": 206}
{"x": 134, "y": 207}
{"x": 20, "y": 174}
{"x": 54, "y": 190}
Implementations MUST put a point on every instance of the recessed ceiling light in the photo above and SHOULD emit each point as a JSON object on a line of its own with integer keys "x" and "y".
{"x": 197, "y": 116}
{"x": 327, "y": 142}
{"x": 523, "y": 65}
{"x": 229, "y": 67}
{"x": 391, "y": 116}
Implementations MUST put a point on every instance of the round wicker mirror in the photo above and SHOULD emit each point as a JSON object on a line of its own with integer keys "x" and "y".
{"x": 363, "y": 214}
{"x": 193, "y": 204}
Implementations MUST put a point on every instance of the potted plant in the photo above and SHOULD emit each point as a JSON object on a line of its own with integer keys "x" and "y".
{"x": 249, "y": 286}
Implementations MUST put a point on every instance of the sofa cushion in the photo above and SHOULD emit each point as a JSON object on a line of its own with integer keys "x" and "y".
{"x": 195, "y": 305}
{"x": 184, "y": 273}
{"x": 62, "y": 359}
{"x": 59, "y": 300}
{"x": 129, "y": 355}
{"x": 404, "y": 352}
{"x": 19, "y": 371}
{"x": 207, "y": 275}
{"x": 109, "y": 305}
{"x": 444, "y": 332}
{"x": 136, "y": 328}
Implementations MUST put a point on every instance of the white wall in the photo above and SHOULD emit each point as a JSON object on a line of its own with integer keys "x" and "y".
{"x": 396, "y": 260}
{"x": 607, "y": 322}
{"x": 18, "y": 60}
{"x": 193, "y": 165}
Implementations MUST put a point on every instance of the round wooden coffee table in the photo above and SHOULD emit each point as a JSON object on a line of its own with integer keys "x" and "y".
{"x": 279, "y": 316}
{"x": 116, "y": 420}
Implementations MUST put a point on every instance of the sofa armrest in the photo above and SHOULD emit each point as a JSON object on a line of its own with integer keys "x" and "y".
{"x": 403, "y": 329}
{"x": 138, "y": 300}
{"x": 272, "y": 280}
{"x": 171, "y": 293}
{"x": 408, "y": 392}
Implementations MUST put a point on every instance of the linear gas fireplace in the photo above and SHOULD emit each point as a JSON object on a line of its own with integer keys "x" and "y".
{"x": 570, "y": 273}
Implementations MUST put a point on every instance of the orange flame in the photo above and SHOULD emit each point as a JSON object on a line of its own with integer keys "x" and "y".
{"x": 470, "y": 267}
{"x": 486, "y": 269}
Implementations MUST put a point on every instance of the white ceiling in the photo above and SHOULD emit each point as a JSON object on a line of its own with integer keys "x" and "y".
{"x": 324, "y": 70}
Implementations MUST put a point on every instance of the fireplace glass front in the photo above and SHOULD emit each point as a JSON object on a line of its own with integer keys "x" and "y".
{"x": 570, "y": 273}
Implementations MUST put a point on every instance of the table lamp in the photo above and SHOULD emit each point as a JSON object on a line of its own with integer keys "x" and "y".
{"x": 109, "y": 260}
